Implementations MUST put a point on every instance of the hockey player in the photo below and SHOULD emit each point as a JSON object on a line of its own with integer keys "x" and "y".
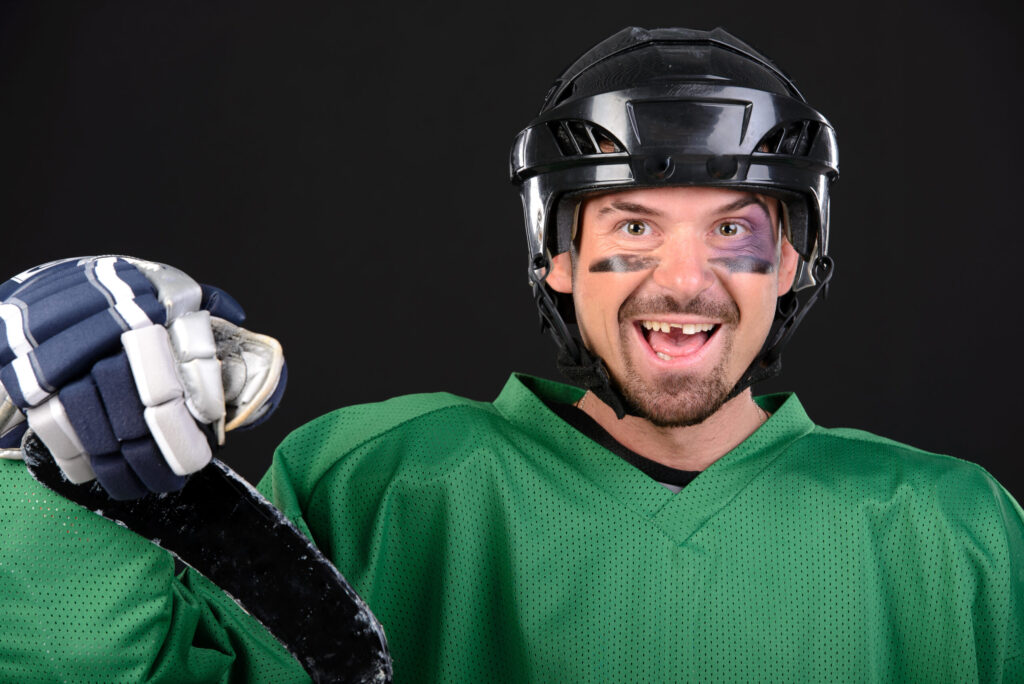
{"x": 651, "y": 522}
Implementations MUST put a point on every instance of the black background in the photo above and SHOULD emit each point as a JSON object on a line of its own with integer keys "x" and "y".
{"x": 341, "y": 169}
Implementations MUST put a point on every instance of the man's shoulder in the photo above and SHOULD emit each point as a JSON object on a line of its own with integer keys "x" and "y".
{"x": 867, "y": 451}
{"x": 374, "y": 442}
{"x": 854, "y": 455}
{"x": 872, "y": 467}
{"x": 412, "y": 438}
{"x": 351, "y": 426}
{"x": 436, "y": 415}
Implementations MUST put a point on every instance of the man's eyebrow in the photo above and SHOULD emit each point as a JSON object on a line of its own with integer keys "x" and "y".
{"x": 637, "y": 208}
{"x": 629, "y": 208}
{"x": 744, "y": 202}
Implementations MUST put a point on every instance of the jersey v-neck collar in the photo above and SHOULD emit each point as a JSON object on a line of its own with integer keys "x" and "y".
{"x": 582, "y": 421}
{"x": 677, "y": 515}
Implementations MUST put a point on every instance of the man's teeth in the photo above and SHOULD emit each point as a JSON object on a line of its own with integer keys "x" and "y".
{"x": 687, "y": 328}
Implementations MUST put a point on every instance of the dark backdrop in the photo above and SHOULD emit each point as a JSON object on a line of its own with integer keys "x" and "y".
{"x": 341, "y": 169}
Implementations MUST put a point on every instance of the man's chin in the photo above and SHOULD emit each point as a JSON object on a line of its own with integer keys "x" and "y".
{"x": 679, "y": 401}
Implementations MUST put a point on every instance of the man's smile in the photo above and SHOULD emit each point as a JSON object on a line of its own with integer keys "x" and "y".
{"x": 674, "y": 341}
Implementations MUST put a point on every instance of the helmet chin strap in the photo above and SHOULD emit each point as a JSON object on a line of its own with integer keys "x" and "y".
{"x": 574, "y": 360}
{"x": 587, "y": 370}
{"x": 591, "y": 373}
{"x": 789, "y": 312}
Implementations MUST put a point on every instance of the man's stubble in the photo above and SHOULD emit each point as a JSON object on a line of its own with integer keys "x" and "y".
{"x": 676, "y": 399}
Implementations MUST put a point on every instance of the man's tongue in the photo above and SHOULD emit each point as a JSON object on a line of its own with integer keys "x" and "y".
{"x": 675, "y": 343}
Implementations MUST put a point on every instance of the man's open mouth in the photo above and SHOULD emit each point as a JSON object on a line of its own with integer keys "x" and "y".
{"x": 670, "y": 341}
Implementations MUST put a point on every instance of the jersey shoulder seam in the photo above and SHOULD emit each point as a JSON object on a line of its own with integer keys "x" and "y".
{"x": 412, "y": 419}
{"x": 463, "y": 404}
{"x": 961, "y": 466}
{"x": 864, "y": 437}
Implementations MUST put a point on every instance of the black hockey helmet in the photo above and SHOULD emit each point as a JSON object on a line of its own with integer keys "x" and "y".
{"x": 654, "y": 108}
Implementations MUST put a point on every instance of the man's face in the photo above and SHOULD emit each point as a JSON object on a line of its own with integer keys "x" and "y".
{"x": 675, "y": 289}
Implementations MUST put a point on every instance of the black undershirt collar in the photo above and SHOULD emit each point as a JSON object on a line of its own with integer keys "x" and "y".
{"x": 658, "y": 472}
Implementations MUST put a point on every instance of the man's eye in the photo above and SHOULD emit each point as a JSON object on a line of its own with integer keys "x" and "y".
{"x": 636, "y": 228}
{"x": 730, "y": 229}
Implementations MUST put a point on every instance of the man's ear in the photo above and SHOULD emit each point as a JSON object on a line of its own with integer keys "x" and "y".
{"x": 788, "y": 262}
{"x": 560, "y": 277}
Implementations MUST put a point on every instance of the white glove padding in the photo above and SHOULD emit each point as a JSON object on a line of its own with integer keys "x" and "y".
{"x": 128, "y": 418}
{"x": 12, "y": 427}
{"x": 154, "y": 369}
{"x": 252, "y": 366}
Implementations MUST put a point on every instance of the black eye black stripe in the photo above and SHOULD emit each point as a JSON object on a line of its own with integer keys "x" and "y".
{"x": 744, "y": 264}
{"x": 624, "y": 263}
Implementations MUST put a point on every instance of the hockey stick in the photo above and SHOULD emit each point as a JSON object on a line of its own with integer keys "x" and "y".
{"x": 223, "y": 528}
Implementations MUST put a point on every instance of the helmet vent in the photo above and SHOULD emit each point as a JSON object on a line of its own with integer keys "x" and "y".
{"x": 581, "y": 138}
{"x": 564, "y": 95}
{"x": 793, "y": 139}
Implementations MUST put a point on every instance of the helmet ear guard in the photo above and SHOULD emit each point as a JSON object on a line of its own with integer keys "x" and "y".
{"x": 673, "y": 107}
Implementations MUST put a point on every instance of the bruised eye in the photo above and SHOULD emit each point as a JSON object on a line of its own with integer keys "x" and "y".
{"x": 730, "y": 229}
{"x": 636, "y": 228}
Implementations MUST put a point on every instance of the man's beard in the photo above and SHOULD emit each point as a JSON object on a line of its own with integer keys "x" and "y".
{"x": 678, "y": 399}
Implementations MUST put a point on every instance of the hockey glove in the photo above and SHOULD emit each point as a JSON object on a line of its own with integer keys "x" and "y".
{"x": 121, "y": 370}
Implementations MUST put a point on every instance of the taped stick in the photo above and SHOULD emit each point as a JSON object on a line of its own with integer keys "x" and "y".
{"x": 224, "y": 529}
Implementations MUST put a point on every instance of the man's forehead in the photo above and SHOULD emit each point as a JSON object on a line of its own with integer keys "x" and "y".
{"x": 660, "y": 201}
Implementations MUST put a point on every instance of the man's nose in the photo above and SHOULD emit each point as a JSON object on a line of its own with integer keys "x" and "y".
{"x": 684, "y": 268}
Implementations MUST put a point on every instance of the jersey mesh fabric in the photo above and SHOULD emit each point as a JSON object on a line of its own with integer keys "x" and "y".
{"x": 496, "y": 543}
{"x": 83, "y": 600}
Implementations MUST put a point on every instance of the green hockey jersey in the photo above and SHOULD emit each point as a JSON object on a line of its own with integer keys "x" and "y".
{"x": 496, "y": 543}
{"x": 84, "y": 601}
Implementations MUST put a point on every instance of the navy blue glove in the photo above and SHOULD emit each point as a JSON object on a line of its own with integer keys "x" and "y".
{"x": 117, "y": 365}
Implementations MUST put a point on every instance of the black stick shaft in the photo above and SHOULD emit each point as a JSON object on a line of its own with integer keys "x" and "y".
{"x": 223, "y": 528}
